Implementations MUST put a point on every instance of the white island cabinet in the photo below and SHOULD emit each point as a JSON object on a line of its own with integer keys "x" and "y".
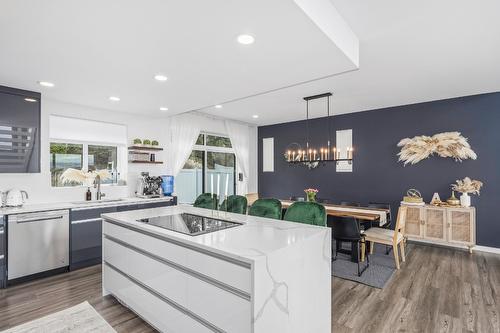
{"x": 260, "y": 275}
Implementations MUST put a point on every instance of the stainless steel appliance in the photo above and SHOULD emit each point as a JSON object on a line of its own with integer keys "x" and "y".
{"x": 37, "y": 242}
{"x": 189, "y": 224}
{"x": 149, "y": 186}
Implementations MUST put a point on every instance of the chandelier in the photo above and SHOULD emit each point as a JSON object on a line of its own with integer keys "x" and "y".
{"x": 313, "y": 156}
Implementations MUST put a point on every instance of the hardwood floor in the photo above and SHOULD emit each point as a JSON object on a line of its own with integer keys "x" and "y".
{"x": 437, "y": 290}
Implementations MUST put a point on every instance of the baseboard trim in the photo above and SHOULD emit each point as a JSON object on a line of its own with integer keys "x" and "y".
{"x": 487, "y": 249}
{"x": 480, "y": 248}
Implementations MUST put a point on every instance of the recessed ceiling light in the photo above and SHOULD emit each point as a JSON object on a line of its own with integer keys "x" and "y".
{"x": 31, "y": 100}
{"x": 255, "y": 116}
{"x": 46, "y": 84}
{"x": 163, "y": 108}
{"x": 246, "y": 39}
{"x": 218, "y": 106}
{"x": 114, "y": 98}
{"x": 161, "y": 77}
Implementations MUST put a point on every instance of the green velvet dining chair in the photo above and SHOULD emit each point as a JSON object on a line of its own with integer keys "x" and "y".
{"x": 234, "y": 204}
{"x": 206, "y": 200}
{"x": 306, "y": 212}
{"x": 270, "y": 208}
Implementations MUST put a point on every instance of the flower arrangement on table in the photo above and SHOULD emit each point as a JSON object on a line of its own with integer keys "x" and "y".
{"x": 466, "y": 186}
{"x": 311, "y": 194}
{"x": 86, "y": 178}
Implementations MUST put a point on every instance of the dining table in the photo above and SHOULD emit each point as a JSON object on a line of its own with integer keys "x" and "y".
{"x": 368, "y": 216}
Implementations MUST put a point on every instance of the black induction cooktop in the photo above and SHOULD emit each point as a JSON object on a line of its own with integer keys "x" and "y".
{"x": 189, "y": 224}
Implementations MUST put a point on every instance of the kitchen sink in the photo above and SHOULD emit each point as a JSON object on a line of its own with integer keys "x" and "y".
{"x": 97, "y": 202}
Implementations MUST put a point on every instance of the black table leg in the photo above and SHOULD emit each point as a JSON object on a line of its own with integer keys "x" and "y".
{"x": 354, "y": 252}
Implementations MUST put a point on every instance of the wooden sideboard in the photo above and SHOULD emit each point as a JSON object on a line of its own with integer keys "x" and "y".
{"x": 452, "y": 226}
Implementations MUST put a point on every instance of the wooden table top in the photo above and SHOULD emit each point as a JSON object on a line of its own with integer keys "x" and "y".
{"x": 332, "y": 211}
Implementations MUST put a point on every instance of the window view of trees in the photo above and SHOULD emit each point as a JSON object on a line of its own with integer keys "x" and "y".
{"x": 68, "y": 155}
{"x": 62, "y": 157}
{"x": 212, "y": 159}
{"x": 218, "y": 141}
{"x": 102, "y": 157}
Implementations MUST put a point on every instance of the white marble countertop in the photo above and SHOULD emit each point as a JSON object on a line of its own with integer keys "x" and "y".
{"x": 256, "y": 237}
{"x": 31, "y": 208}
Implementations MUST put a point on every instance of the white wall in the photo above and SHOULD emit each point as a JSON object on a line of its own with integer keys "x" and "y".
{"x": 38, "y": 185}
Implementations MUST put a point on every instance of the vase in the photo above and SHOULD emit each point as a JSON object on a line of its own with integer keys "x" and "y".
{"x": 311, "y": 197}
{"x": 465, "y": 200}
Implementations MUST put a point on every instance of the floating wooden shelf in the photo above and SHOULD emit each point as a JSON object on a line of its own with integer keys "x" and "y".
{"x": 146, "y": 162}
{"x": 145, "y": 148}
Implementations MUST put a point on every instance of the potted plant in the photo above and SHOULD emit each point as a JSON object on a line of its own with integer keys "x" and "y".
{"x": 146, "y": 142}
{"x": 466, "y": 186}
{"x": 154, "y": 143}
{"x": 311, "y": 194}
{"x": 137, "y": 141}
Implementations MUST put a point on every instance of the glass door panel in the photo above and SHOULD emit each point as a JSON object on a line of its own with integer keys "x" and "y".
{"x": 189, "y": 181}
{"x": 220, "y": 173}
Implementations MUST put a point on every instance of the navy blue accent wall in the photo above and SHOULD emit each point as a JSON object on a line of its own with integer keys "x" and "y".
{"x": 378, "y": 176}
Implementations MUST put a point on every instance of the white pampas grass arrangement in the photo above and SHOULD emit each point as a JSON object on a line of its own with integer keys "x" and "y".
{"x": 83, "y": 177}
{"x": 467, "y": 185}
{"x": 448, "y": 144}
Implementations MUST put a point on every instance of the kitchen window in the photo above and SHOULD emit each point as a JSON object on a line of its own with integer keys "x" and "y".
{"x": 89, "y": 145}
{"x": 212, "y": 160}
{"x": 82, "y": 156}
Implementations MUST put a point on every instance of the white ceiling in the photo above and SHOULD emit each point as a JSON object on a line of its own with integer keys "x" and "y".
{"x": 94, "y": 49}
{"x": 410, "y": 51}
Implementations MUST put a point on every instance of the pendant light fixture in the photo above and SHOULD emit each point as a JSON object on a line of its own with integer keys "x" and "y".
{"x": 313, "y": 156}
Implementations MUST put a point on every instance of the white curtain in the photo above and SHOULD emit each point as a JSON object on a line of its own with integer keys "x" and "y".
{"x": 183, "y": 135}
{"x": 239, "y": 134}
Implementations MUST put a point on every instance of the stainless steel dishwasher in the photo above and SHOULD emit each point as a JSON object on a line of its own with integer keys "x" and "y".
{"x": 37, "y": 242}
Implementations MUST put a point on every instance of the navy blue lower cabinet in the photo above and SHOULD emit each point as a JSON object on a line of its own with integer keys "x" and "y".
{"x": 3, "y": 253}
{"x": 86, "y": 243}
{"x": 127, "y": 207}
{"x": 86, "y": 232}
{"x": 155, "y": 204}
{"x": 86, "y": 236}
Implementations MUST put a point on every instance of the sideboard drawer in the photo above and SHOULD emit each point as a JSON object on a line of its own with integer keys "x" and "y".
{"x": 226, "y": 270}
{"x": 196, "y": 293}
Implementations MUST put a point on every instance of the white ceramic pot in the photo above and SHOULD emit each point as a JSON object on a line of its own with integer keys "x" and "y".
{"x": 465, "y": 200}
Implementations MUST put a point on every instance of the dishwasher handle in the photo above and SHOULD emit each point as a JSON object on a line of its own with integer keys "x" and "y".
{"x": 38, "y": 219}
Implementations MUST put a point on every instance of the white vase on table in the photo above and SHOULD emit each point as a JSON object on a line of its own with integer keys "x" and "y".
{"x": 465, "y": 200}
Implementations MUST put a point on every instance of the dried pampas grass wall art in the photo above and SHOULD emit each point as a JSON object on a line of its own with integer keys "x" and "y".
{"x": 449, "y": 144}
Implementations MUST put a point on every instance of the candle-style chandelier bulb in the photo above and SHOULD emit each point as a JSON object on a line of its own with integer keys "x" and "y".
{"x": 309, "y": 156}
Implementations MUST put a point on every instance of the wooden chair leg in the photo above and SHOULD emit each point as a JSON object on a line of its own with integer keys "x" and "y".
{"x": 372, "y": 245}
{"x": 402, "y": 246}
{"x": 396, "y": 255}
{"x": 363, "y": 250}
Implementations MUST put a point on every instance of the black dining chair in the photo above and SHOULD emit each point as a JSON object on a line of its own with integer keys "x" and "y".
{"x": 323, "y": 201}
{"x": 388, "y": 224}
{"x": 346, "y": 229}
{"x": 349, "y": 203}
{"x": 297, "y": 198}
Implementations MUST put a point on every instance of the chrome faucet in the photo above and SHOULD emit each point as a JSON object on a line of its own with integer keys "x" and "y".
{"x": 97, "y": 184}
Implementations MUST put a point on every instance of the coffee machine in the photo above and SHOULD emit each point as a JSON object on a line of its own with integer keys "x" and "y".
{"x": 148, "y": 186}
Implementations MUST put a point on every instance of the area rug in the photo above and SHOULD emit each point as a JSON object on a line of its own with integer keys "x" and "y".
{"x": 380, "y": 271}
{"x": 81, "y": 318}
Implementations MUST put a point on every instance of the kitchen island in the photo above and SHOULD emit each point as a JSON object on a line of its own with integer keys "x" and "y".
{"x": 218, "y": 272}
